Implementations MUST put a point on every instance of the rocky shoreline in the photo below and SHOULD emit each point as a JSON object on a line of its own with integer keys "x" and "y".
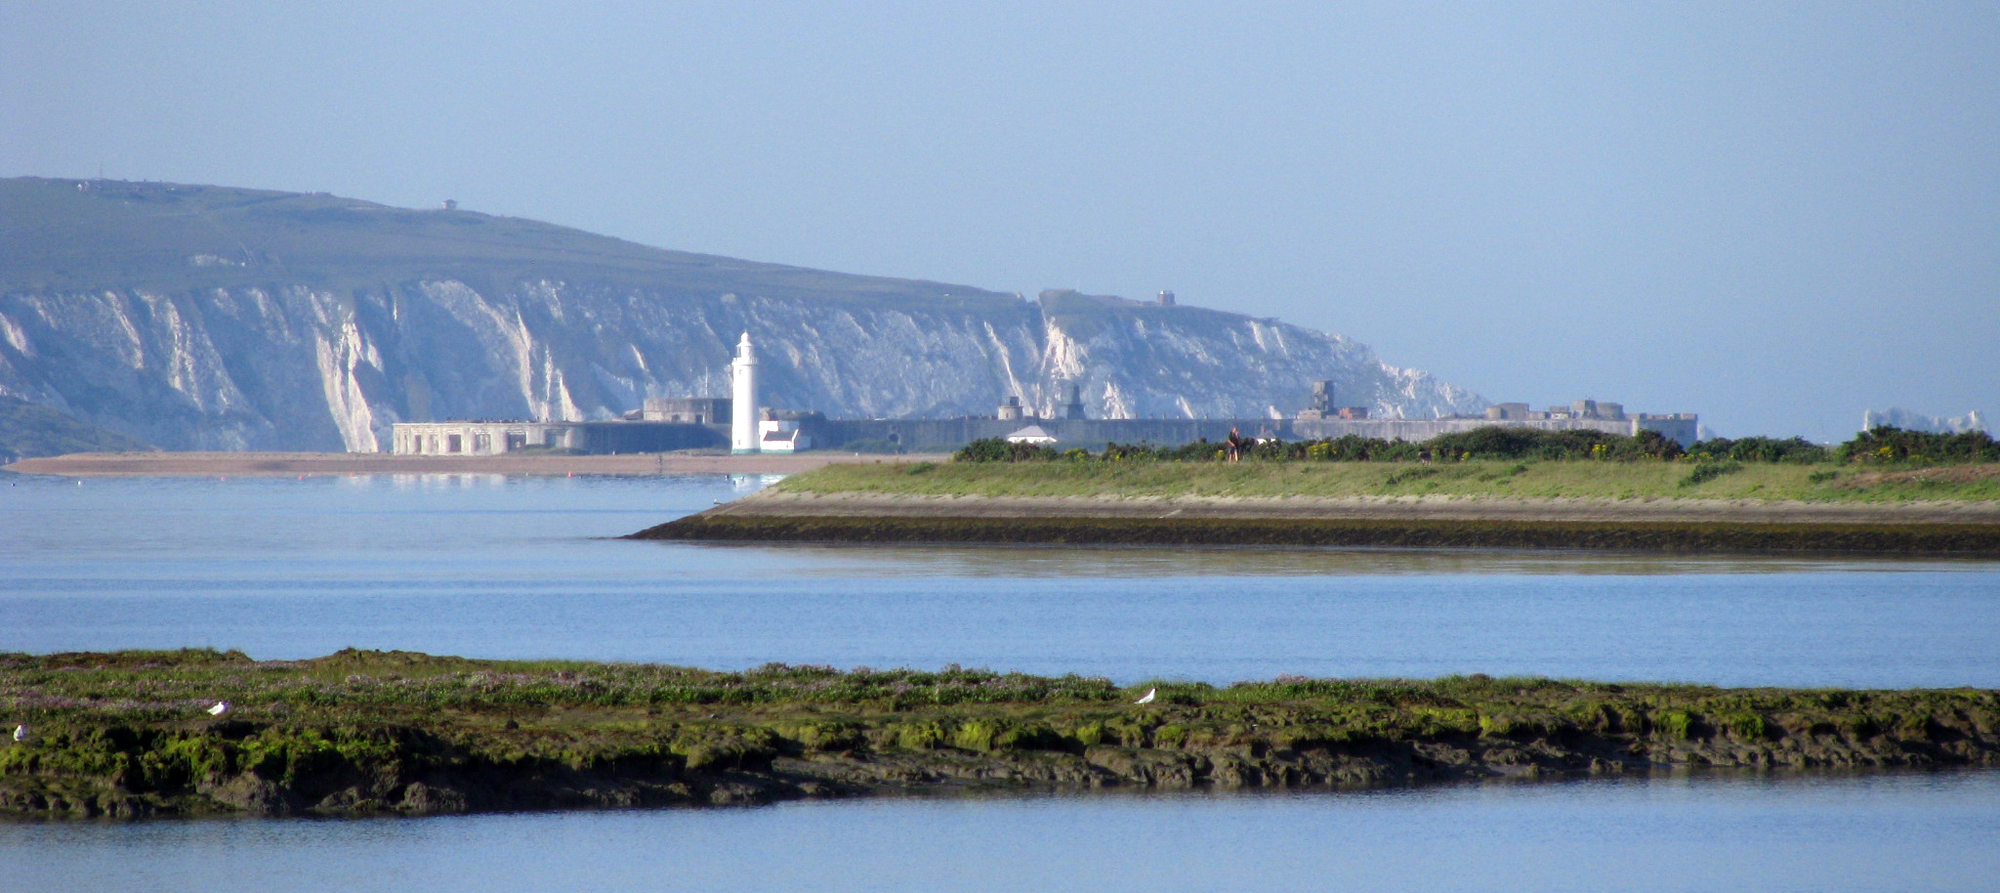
{"x": 368, "y": 733}
{"x": 1934, "y": 528}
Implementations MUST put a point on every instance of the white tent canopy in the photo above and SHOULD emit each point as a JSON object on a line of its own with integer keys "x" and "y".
{"x": 1031, "y": 434}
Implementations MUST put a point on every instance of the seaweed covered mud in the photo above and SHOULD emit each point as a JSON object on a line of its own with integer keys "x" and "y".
{"x": 201, "y": 732}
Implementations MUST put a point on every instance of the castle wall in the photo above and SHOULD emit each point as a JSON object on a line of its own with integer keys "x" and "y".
{"x": 937, "y": 435}
{"x": 1680, "y": 428}
{"x": 496, "y": 438}
{"x": 649, "y": 437}
{"x": 924, "y": 435}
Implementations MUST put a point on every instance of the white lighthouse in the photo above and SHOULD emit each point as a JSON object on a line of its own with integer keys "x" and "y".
{"x": 743, "y": 416}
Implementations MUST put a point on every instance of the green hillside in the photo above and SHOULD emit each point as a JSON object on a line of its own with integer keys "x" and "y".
{"x": 28, "y": 430}
{"x": 60, "y": 234}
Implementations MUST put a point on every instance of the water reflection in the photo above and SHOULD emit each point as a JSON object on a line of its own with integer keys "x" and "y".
{"x": 1232, "y": 561}
{"x": 1894, "y": 832}
{"x": 428, "y": 482}
{"x": 751, "y": 483}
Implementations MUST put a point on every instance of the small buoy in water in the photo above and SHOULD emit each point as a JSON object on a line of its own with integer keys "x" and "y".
{"x": 20, "y": 733}
{"x": 1148, "y": 699}
{"x": 220, "y": 708}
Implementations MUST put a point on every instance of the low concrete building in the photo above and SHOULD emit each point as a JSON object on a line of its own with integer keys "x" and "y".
{"x": 483, "y": 438}
{"x": 479, "y": 438}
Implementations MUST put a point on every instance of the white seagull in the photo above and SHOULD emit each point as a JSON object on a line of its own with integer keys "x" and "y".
{"x": 220, "y": 708}
{"x": 1148, "y": 699}
{"x": 20, "y": 733}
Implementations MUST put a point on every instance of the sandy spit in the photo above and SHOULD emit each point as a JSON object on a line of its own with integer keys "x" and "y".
{"x": 225, "y": 464}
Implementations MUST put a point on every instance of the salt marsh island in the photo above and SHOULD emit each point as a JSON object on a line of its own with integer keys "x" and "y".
{"x": 202, "y": 732}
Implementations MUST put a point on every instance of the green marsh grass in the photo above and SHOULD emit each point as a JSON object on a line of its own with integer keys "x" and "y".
{"x": 822, "y": 708}
{"x": 1581, "y": 479}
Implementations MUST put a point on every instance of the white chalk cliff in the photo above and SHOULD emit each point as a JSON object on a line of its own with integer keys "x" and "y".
{"x": 213, "y": 318}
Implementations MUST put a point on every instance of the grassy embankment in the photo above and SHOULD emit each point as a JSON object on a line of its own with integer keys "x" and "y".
{"x": 1470, "y": 479}
{"x": 1571, "y": 504}
{"x": 126, "y": 734}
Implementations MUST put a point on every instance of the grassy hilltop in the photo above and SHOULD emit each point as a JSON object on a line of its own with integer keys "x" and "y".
{"x": 175, "y": 237}
{"x": 359, "y": 732}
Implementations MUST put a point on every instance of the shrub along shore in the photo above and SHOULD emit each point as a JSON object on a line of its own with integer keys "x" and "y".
{"x": 1884, "y": 445}
{"x": 129, "y": 734}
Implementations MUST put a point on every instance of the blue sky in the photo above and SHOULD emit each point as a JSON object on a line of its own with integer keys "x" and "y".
{"x": 1777, "y": 215}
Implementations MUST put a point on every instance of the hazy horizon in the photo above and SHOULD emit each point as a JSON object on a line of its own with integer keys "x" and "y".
{"x": 1777, "y": 216}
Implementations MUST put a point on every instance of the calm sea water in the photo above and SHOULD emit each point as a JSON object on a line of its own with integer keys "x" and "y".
{"x": 495, "y": 567}
{"x": 1901, "y": 833}
{"x": 486, "y": 566}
